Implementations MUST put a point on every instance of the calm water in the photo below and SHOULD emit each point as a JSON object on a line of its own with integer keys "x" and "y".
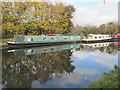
{"x": 60, "y": 66}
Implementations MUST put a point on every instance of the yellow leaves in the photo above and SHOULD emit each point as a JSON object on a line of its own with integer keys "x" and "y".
{"x": 9, "y": 26}
{"x": 33, "y": 20}
{"x": 34, "y": 16}
{"x": 65, "y": 25}
{"x": 16, "y": 33}
{"x": 35, "y": 33}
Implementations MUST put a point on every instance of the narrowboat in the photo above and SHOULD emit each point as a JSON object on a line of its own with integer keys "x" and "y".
{"x": 115, "y": 37}
{"x": 27, "y": 41}
{"x": 96, "y": 38}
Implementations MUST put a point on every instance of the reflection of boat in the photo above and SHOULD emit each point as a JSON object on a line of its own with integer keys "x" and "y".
{"x": 115, "y": 43}
{"x": 96, "y": 45}
{"x": 35, "y": 50}
{"x": 96, "y": 38}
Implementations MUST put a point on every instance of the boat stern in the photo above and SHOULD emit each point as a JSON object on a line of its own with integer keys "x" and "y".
{"x": 10, "y": 42}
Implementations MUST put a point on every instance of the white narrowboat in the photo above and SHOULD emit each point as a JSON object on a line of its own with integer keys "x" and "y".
{"x": 96, "y": 38}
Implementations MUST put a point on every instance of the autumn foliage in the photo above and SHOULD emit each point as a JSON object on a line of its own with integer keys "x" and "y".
{"x": 35, "y": 18}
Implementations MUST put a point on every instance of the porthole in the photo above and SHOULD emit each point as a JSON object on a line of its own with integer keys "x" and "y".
{"x": 65, "y": 38}
{"x": 45, "y": 38}
{"x": 31, "y": 51}
{"x": 52, "y": 38}
{"x": 31, "y": 39}
{"x": 52, "y": 49}
{"x": 44, "y": 50}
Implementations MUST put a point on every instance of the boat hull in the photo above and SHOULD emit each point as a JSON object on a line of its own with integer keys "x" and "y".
{"x": 103, "y": 40}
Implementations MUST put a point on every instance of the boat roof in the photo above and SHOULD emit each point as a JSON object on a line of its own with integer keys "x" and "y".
{"x": 97, "y": 34}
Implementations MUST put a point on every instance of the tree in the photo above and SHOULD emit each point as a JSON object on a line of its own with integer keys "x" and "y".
{"x": 36, "y": 18}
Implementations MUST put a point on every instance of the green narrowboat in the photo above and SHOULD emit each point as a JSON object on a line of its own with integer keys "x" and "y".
{"x": 26, "y": 41}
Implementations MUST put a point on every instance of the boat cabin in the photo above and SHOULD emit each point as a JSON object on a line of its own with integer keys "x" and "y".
{"x": 94, "y": 37}
{"x": 22, "y": 38}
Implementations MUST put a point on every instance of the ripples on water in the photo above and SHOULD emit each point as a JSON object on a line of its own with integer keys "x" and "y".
{"x": 60, "y": 66}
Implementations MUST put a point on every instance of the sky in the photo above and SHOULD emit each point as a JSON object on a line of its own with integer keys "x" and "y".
{"x": 90, "y": 12}
{"x": 93, "y": 12}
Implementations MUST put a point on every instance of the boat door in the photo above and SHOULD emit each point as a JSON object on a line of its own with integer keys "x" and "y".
{"x": 29, "y": 39}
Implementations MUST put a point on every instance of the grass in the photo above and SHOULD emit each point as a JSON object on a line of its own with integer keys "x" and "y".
{"x": 108, "y": 80}
{"x": 3, "y": 41}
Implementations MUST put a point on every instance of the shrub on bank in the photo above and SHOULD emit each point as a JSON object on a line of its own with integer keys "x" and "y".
{"x": 108, "y": 80}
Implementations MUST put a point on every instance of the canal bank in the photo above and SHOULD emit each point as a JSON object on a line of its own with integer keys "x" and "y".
{"x": 3, "y": 43}
{"x": 3, "y": 46}
{"x": 108, "y": 80}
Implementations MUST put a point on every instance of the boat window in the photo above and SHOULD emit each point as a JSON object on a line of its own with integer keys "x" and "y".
{"x": 31, "y": 39}
{"x": 95, "y": 37}
{"x": 103, "y": 36}
{"x": 52, "y": 38}
{"x": 99, "y": 36}
{"x": 45, "y": 38}
{"x": 31, "y": 51}
{"x": 65, "y": 38}
{"x": 90, "y": 36}
{"x": 44, "y": 49}
{"x": 52, "y": 49}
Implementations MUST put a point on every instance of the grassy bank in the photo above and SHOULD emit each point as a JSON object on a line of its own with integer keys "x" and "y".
{"x": 3, "y": 41}
{"x": 108, "y": 80}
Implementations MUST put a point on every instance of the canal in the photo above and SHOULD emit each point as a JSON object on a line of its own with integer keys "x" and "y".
{"x": 58, "y": 66}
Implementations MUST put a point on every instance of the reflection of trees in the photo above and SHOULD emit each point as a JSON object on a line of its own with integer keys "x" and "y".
{"x": 87, "y": 48}
{"x": 22, "y": 71}
{"x": 111, "y": 49}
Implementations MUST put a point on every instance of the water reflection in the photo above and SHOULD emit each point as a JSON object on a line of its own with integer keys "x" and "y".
{"x": 71, "y": 65}
{"x": 108, "y": 47}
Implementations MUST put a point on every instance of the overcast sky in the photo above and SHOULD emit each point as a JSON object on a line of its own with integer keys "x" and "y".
{"x": 93, "y": 12}
{"x": 90, "y": 12}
